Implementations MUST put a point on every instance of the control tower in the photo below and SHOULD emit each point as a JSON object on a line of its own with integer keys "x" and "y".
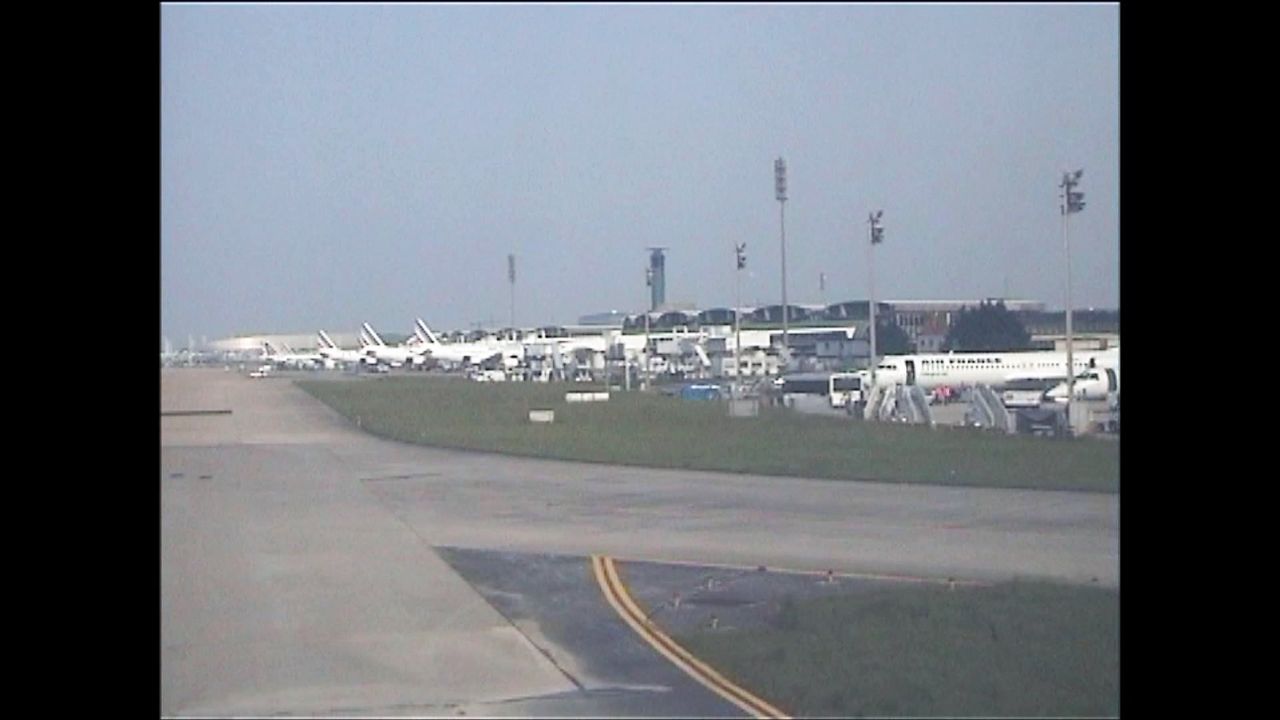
{"x": 657, "y": 278}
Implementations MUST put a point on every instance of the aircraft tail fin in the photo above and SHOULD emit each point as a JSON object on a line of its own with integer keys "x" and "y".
{"x": 325, "y": 341}
{"x": 424, "y": 333}
{"x": 373, "y": 336}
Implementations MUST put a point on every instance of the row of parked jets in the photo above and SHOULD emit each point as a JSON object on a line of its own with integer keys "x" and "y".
{"x": 1097, "y": 371}
{"x": 425, "y": 345}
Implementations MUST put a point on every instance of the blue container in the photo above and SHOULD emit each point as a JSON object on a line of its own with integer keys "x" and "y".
{"x": 700, "y": 392}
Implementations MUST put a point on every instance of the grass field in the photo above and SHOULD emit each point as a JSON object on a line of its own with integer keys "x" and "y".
{"x": 1017, "y": 649}
{"x": 659, "y": 431}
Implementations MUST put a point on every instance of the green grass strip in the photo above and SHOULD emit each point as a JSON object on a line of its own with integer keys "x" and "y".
{"x": 1016, "y": 649}
{"x": 651, "y": 430}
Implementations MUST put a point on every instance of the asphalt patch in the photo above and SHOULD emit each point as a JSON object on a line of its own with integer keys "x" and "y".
{"x": 682, "y": 598}
{"x": 556, "y": 602}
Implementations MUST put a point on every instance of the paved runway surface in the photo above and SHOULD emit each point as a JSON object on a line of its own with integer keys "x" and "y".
{"x": 300, "y": 573}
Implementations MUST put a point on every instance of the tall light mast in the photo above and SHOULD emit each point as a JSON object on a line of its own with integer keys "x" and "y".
{"x": 877, "y": 237}
{"x": 780, "y": 192}
{"x": 1072, "y": 202}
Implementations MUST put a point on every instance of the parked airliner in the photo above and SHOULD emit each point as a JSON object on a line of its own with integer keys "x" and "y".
{"x": 332, "y": 353}
{"x": 986, "y": 368}
{"x": 286, "y": 357}
{"x": 393, "y": 355}
{"x": 466, "y": 353}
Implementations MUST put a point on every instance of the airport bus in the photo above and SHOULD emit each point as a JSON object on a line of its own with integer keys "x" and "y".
{"x": 840, "y": 388}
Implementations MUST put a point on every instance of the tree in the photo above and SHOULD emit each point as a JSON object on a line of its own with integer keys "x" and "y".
{"x": 991, "y": 326}
{"x": 891, "y": 339}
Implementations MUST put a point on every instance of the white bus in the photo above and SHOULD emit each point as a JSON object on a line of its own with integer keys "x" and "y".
{"x": 840, "y": 389}
{"x": 846, "y": 389}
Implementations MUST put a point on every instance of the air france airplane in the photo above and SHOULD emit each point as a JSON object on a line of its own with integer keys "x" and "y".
{"x": 286, "y": 357}
{"x": 395, "y": 356}
{"x": 466, "y": 353}
{"x": 986, "y": 368}
{"x": 332, "y": 353}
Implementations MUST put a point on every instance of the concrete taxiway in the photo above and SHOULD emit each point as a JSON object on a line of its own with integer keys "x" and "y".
{"x": 300, "y": 572}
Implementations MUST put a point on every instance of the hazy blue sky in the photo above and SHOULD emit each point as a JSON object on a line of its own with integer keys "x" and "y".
{"x": 324, "y": 165}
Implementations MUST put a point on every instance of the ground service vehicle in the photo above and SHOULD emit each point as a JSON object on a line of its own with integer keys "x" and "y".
{"x": 1027, "y": 392}
{"x": 840, "y": 389}
{"x": 1098, "y": 383}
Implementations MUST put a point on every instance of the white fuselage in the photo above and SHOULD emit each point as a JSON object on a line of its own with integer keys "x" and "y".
{"x": 465, "y": 354}
{"x": 341, "y": 356}
{"x": 376, "y": 351}
{"x": 474, "y": 353}
{"x": 393, "y": 355}
{"x": 985, "y": 368}
{"x": 292, "y": 359}
{"x": 594, "y": 343}
{"x": 334, "y": 354}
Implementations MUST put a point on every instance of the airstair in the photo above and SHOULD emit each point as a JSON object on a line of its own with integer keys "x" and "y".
{"x": 988, "y": 411}
{"x": 898, "y": 403}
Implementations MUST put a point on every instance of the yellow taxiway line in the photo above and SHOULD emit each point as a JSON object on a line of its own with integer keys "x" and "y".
{"x": 616, "y": 593}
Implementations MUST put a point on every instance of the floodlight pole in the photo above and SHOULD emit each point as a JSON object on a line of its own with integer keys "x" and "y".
{"x": 780, "y": 192}
{"x": 737, "y": 337}
{"x": 511, "y": 275}
{"x": 644, "y": 377}
{"x": 1072, "y": 202}
{"x": 741, "y": 261}
{"x": 876, "y": 235}
{"x": 644, "y": 368}
{"x": 1071, "y": 368}
{"x": 871, "y": 300}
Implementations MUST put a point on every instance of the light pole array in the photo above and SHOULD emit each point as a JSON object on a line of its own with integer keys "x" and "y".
{"x": 780, "y": 192}
{"x": 877, "y": 237}
{"x": 1072, "y": 202}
